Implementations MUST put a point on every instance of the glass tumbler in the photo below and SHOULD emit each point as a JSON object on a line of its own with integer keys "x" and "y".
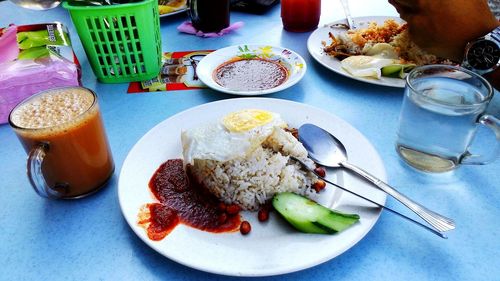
{"x": 300, "y": 15}
{"x": 442, "y": 108}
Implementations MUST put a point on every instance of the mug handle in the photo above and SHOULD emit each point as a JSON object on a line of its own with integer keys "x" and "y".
{"x": 35, "y": 174}
{"x": 494, "y": 124}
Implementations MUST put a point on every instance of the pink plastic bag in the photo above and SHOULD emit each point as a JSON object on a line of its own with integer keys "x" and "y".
{"x": 34, "y": 58}
{"x": 8, "y": 44}
{"x": 187, "y": 27}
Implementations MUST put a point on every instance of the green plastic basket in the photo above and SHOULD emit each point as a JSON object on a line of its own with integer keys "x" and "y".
{"x": 122, "y": 42}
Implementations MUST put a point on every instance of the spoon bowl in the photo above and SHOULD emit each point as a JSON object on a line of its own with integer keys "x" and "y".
{"x": 323, "y": 147}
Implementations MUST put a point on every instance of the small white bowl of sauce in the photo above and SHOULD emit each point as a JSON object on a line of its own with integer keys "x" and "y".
{"x": 250, "y": 70}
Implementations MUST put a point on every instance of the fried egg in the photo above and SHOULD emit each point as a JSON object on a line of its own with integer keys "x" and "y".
{"x": 365, "y": 66}
{"x": 233, "y": 136}
{"x": 381, "y": 50}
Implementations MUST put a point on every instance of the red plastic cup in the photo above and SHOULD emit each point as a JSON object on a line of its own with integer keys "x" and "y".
{"x": 300, "y": 15}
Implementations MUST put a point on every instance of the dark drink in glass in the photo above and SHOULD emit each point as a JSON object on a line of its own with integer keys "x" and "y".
{"x": 209, "y": 15}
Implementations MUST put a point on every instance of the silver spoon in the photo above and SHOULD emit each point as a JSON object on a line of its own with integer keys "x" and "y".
{"x": 328, "y": 151}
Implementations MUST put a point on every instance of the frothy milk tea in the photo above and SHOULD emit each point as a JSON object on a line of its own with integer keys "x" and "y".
{"x": 77, "y": 157}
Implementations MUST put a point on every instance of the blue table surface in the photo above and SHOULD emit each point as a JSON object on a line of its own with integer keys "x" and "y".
{"x": 88, "y": 239}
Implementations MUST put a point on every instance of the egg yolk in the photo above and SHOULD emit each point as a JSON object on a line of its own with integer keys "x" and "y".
{"x": 247, "y": 119}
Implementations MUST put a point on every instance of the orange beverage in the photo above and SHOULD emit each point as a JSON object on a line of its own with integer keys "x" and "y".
{"x": 300, "y": 15}
{"x": 63, "y": 133}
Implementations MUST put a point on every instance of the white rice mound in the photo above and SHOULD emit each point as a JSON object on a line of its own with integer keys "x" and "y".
{"x": 252, "y": 180}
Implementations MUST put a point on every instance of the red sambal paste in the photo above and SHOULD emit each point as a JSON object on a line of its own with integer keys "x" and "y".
{"x": 181, "y": 200}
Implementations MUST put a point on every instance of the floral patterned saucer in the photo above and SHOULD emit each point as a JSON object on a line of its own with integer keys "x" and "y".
{"x": 294, "y": 63}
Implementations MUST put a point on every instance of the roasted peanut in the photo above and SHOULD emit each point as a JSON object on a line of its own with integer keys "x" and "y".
{"x": 263, "y": 214}
{"x": 319, "y": 185}
{"x": 221, "y": 206}
{"x": 233, "y": 209}
{"x": 222, "y": 218}
{"x": 320, "y": 171}
{"x": 245, "y": 227}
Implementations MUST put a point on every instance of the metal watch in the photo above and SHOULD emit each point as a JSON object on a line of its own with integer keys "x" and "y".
{"x": 483, "y": 54}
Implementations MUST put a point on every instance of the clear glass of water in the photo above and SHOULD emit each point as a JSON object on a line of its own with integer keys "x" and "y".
{"x": 442, "y": 108}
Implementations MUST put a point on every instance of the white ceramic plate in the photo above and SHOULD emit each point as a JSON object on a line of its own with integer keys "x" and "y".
{"x": 174, "y": 13}
{"x": 315, "y": 47}
{"x": 272, "y": 247}
{"x": 294, "y": 63}
{"x": 178, "y": 10}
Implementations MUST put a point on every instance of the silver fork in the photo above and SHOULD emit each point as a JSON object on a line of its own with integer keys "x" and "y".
{"x": 435, "y": 230}
{"x": 438, "y": 221}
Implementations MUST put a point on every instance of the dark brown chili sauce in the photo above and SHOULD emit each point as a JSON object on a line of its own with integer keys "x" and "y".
{"x": 250, "y": 74}
{"x": 182, "y": 201}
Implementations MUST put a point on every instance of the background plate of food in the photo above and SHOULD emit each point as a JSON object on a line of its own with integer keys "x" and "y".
{"x": 250, "y": 70}
{"x": 378, "y": 51}
{"x": 271, "y": 247}
{"x": 171, "y": 7}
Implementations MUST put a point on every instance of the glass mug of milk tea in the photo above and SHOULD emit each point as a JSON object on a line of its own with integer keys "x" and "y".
{"x": 442, "y": 108}
{"x": 62, "y": 132}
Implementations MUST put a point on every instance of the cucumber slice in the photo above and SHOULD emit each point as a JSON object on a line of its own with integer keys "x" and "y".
{"x": 397, "y": 70}
{"x": 310, "y": 217}
{"x": 392, "y": 70}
